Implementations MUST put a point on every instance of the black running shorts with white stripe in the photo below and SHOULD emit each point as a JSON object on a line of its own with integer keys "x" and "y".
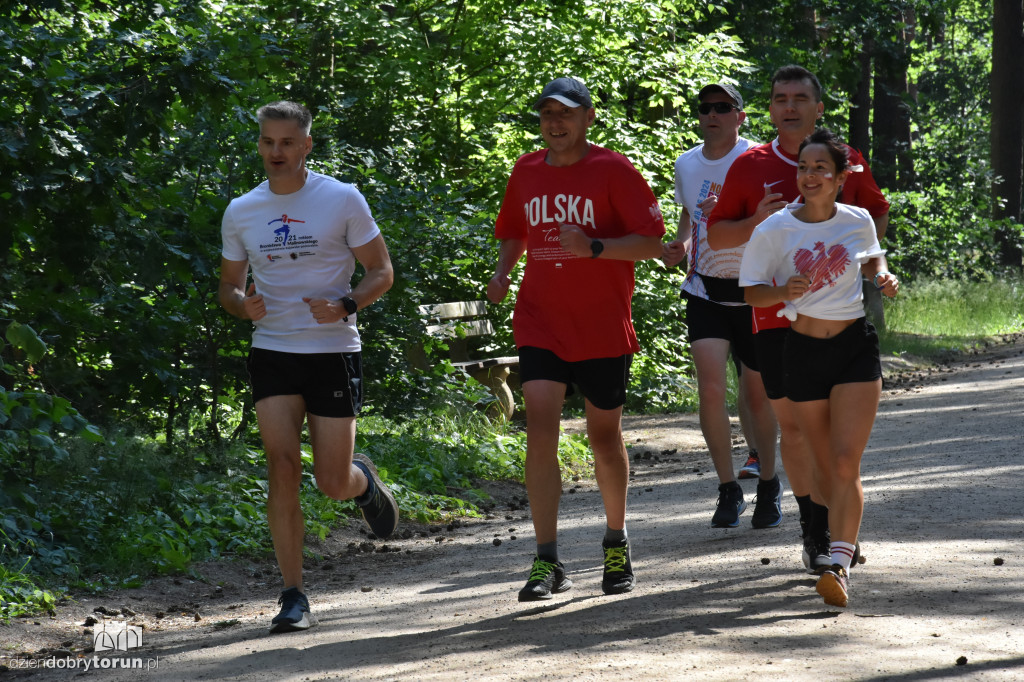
{"x": 330, "y": 383}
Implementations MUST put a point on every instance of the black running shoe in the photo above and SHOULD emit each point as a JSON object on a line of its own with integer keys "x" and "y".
{"x": 546, "y": 579}
{"x": 294, "y": 613}
{"x": 730, "y": 506}
{"x": 833, "y": 584}
{"x": 618, "y": 570}
{"x": 381, "y": 512}
{"x": 817, "y": 554}
{"x": 767, "y": 504}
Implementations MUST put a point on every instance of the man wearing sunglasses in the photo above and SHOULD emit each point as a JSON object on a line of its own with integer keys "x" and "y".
{"x": 717, "y": 319}
{"x": 761, "y": 182}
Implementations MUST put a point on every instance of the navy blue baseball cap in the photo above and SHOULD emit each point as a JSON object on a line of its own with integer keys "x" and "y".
{"x": 569, "y": 91}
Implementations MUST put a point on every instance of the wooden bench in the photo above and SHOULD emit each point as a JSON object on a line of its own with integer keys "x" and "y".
{"x": 460, "y": 324}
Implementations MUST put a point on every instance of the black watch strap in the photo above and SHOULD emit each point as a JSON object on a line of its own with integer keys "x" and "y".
{"x": 350, "y": 306}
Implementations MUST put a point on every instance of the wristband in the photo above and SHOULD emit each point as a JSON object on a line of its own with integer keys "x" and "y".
{"x": 877, "y": 275}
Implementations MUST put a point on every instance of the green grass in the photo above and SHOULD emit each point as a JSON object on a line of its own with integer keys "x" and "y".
{"x": 931, "y": 318}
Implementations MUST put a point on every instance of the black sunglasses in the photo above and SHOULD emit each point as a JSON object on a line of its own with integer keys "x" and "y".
{"x": 719, "y": 107}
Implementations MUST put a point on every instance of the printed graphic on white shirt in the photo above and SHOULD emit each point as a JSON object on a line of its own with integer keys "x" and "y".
{"x": 284, "y": 239}
{"x": 823, "y": 267}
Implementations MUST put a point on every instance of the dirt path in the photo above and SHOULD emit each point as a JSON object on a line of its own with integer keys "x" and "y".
{"x": 939, "y": 597}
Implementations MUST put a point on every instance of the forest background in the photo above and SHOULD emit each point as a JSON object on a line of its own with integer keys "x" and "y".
{"x": 127, "y": 443}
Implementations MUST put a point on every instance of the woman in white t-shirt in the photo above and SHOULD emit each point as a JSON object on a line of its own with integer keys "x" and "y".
{"x": 818, "y": 250}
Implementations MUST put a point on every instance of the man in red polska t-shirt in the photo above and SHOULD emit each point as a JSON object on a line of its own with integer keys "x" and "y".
{"x": 583, "y": 215}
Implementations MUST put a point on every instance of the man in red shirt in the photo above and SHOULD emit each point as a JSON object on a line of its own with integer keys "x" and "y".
{"x": 760, "y": 182}
{"x": 583, "y": 215}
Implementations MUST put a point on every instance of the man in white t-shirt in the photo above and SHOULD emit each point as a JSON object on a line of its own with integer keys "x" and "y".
{"x": 718, "y": 321}
{"x": 301, "y": 234}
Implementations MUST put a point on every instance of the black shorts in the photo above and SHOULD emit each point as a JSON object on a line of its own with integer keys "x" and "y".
{"x": 770, "y": 345}
{"x": 708, "y": 320}
{"x": 602, "y": 381}
{"x": 815, "y": 366}
{"x": 330, "y": 383}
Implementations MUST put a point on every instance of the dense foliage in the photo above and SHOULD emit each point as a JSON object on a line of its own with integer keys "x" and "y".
{"x": 127, "y": 127}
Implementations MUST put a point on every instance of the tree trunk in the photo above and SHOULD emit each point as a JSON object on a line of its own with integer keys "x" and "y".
{"x": 860, "y": 109}
{"x": 890, "y": 156}
{"x": 1007, "y": 136}
{"x": 905, "y": 158}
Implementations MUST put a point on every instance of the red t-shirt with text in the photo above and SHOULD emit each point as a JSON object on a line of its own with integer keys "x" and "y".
{"x": 578, "y": 308}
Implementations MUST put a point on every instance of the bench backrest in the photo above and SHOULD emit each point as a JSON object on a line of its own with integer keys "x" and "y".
{"x": 442, "y": 318}
{"x": 457, "y": 322}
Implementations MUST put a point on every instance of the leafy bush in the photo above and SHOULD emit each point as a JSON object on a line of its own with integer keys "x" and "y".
{"x": 662, "y": 378}
{"x": 929, "y": 238}
{"x": 436, "y": 461}
{"x": 20, "y": 593}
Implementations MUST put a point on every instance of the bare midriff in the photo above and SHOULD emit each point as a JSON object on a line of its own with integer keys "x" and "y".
{"x": 820, "y": 329}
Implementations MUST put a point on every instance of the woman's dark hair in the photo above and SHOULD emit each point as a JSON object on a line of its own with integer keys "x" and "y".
{"x": 836, "y": 149}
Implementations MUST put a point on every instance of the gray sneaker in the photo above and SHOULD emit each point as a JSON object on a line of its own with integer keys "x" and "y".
{"x": 294, "y": 613}
{"x": 381, "y": 512}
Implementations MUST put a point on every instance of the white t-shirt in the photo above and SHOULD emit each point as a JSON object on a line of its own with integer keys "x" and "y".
{"x": 300, "y": 245}
{"x": 696, "y": 178}
{"x": 830, "y": 253}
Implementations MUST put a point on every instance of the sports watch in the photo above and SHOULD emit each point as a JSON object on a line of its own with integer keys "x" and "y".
{"x": 596, "y": 247}
{"x": 350, "y": 307}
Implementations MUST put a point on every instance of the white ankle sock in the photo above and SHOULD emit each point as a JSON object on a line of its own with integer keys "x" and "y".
{"x": 842, "y": 553}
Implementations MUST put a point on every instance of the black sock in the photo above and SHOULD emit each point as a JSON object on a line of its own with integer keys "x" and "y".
{"x": 548, "y": 552}
{"x": 803, "y": 502}
{"x": 614, "y": 537}
{"x": 819, "y": 519}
